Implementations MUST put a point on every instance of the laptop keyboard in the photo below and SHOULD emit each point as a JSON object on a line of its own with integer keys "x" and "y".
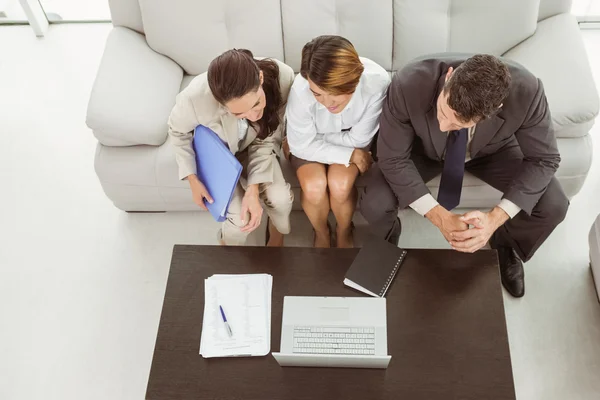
{"x": 334, "y": 340}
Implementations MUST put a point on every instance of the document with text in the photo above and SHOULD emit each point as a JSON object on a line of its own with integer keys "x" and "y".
{"x": 237, "y": 316}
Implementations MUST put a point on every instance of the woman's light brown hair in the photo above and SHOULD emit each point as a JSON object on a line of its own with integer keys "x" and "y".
{"x": 332, "y": 63}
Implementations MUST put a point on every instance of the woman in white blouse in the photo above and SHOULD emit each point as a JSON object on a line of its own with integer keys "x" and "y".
{"x": 332, "y": 116}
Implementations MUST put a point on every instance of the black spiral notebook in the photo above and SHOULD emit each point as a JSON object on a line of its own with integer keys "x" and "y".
{"x": 375, "y": 267}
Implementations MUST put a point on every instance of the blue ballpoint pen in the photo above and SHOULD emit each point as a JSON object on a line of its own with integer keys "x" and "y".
{"x": 227, "y": 327}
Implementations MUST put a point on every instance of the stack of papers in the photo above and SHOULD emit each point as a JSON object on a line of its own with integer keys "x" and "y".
{"x": 246, "y": 303}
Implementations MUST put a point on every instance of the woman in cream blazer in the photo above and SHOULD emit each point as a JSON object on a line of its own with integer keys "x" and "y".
{"x": 243, "y": 100}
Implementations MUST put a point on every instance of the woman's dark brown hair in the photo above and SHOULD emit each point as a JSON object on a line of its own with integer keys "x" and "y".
{"x": 236, "y": 73}
{"x": 332, "y": 63}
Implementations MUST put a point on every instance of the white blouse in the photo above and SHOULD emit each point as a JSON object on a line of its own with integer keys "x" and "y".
{"x": 315, "y": 134}
{"x": 242, "y": 129}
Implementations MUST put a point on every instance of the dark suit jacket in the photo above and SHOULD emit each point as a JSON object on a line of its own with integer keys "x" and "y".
{"x": 410, "y": 115}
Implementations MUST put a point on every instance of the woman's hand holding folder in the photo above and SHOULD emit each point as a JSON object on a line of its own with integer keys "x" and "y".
{"x": 199, "y": 191}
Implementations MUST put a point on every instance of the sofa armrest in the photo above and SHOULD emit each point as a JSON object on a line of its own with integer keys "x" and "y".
{"x": 556, "y": 54}
{"x": 134, "y": 92}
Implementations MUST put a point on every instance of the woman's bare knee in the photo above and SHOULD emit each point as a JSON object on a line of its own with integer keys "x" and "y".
{"x": 341, "y": 183}
{"x": 313, "y": 182}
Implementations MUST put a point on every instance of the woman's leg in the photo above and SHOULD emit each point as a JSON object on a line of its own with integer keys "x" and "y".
{"x": 231, "y": 228}
{"x": 275, "y": 237}
{"x": 315, "y": 201}
{"x": 342, "y": 192}
{"x": 277, "y": 198}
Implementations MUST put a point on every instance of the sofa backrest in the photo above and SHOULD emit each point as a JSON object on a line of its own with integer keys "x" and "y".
{"x": 550, "y": 8}
{"x": 470, "y": 26}
{"x": 193, "y": 32}
{"x": 126, "y": 13}
{"x": 367, "y": 24}
{"x": 390, "y": 32}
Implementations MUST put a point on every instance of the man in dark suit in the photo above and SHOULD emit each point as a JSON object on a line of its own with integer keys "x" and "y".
{"x": 480, "y": 114}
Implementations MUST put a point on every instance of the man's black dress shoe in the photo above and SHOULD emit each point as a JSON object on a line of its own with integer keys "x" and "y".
{"x": 511, "y": 270}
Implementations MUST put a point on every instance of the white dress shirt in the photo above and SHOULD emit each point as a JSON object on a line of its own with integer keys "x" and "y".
{"x": 425, "y": 203}
{"x": 242, "y": 129}
{"x": 315, "y": 134}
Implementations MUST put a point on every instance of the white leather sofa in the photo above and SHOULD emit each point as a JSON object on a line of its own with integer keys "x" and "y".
{"x": 594, "y": 240}
{"x": 157, "y": 47}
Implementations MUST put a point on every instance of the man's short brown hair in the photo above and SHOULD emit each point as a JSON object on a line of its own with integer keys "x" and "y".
{"x": 478, "y": 87}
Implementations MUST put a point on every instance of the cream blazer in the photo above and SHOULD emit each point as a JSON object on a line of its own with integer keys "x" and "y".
{"x": 195, "y": 105}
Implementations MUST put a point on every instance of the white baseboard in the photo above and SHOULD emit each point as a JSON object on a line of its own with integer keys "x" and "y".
{"x": 589, "y": 25}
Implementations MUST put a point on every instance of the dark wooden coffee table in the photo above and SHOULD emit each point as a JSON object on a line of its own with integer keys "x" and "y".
{"x": 445, "y": 315}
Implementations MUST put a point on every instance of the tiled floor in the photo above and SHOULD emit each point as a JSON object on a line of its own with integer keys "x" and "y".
{"x": 81, "y": 283}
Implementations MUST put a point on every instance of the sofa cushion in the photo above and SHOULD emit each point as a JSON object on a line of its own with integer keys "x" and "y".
{"x": 144, "y": 178}
{"x": 557, "y": 55}
{"x": 192, "y": 33}
{"x": 187, "y": 79}
{"x": 134, "y": 92}
{"x": 462, "y": 26}
{"x": 576, "y": 159}
{"x": 367, "y": 24}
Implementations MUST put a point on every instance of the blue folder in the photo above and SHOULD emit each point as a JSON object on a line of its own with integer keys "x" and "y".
{"x": 218, "y": 170}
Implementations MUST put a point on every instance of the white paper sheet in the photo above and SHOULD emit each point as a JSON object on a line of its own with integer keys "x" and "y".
{"x": 246, "y": 301}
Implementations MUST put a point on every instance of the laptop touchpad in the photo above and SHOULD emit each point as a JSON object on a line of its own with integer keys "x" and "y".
{"x": 334, "y": 314}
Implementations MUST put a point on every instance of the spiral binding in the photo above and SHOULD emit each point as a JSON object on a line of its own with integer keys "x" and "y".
{"x": 388, "y": 282}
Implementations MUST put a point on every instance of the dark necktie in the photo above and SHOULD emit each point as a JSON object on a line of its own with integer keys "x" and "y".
{"x": 454, "y": 169}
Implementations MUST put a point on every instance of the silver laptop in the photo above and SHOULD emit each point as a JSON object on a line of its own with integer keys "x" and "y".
{"x": 346, "y": 332}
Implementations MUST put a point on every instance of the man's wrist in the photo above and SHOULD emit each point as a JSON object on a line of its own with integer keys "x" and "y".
{"x": 499, "y": 216}
{"x": 436, "y": 215}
